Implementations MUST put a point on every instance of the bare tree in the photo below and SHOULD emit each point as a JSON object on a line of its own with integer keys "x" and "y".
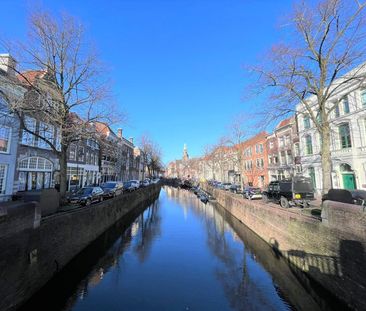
{"x": 220, "y": 155}
{"x": 66, "y": 85}
{"x": 239, "y": 131}
{"x": 325, "y": 56}
{"x": 152, "y": 155}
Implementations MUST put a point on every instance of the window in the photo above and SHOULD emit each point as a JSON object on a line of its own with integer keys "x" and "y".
{"x": 5, "y": 133}
{"x": 345, "y": 136}
{"x": 45, "y": 131}
{"x": 80, "y": 153}
{"x": 283, "y": 158}
{"x": 363, "y": 98}
{"x": 260, "y": 148}
{"x": 336, "y": 110}
{"x": 289, "y": 157}
{"x": 311, "y": 171}
{"x": 4, "y": 108}
{"x": 319, "y": 118}
{"x": 87, "y": 157}
{"x": 287, "y": 140}
{"x": 282, "y": 141}
{"x": 72, "y": 152}
{"x": 58, "y": 140}
{"x": 28, "y": 138}
{"x": 297, "y": 149}
{"x": 259, "y": 163}
{"x": 271, "y": 145}
{"x": 3, "y": 169}
{"x": 306, "y": 122}
{"x": 308, "y": 144}
{"x": 345, "y": 105}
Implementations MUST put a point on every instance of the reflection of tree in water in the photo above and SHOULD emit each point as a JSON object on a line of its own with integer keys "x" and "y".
{"x": 149, "y": 228}
{"x": 139, "y": 235}
{"x": 242, "y": 292}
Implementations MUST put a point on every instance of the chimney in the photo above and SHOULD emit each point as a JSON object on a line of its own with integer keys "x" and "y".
{"x": 8, "y": 64}
{"x": 119, "y": 133}
{"x": 131, "y": 139}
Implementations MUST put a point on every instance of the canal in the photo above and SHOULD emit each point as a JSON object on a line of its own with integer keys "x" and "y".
{"x": 179, "y": 254}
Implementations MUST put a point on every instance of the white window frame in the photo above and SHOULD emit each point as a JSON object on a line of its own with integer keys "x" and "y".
{"x": 31, "y": 140}
{"x": 3, "y": 185}
{"x": 9, "y": 140}
{"x": 48, "y": 133}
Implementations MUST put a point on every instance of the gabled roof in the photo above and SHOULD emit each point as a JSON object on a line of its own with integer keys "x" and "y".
{"x": 31, "y": 76}
{"x": 284, "y": 122}
{"x": 102, "y": 128}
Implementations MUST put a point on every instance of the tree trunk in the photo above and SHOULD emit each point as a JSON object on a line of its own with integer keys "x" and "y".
{"x": 63, "y": 173}
{"x": 326, "y": 159}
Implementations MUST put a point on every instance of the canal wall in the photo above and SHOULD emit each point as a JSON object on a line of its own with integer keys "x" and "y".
{"x": 331, "y": 252}
{"x": 32, "y": 252}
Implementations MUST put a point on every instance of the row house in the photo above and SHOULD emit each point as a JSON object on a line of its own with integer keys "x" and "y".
{"x": 348, "y": 139}
{"x": 10, "y": 91}
{"x": 140, "y": 165}
{"x": 127, "y": 163}
{"x": 28, "y": 162}
{"x": 83, "y": 163}
{"x": 255, "y": 161}
{"x": 37, "y": 164}
{"x": 117, "y": 154}
{"x": 284, "y": 150}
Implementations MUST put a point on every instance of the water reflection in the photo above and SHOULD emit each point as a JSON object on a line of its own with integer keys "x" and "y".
{"x": 178, "y": 254}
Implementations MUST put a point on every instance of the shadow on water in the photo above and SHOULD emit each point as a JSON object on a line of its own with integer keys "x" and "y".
{"x": 292, "y": 285}
{"x": 88, "y": 267}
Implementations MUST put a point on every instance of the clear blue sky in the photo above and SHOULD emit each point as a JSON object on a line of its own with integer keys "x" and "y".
{"x": 177, "y": 65}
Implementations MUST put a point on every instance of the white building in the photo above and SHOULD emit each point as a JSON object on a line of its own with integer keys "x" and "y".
{"x": 348, "y": 139}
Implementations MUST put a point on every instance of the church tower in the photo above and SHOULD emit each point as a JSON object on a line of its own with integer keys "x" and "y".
{"x": 185, "y": 153}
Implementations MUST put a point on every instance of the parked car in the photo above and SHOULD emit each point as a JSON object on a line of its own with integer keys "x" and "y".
{"x": 87, "y": 195}
{"x": 251, "y": 193}
{"x": 346, "y": 196}
{"x": 112, "y": 189}
{"x": 145, "y": 183}
{"x": 129, "y": 186}
{"x": 226, "y": 186}
{"x": 298, "y": 191}
{"x": 235, "y": 188}
{"x": 136, "y": 183}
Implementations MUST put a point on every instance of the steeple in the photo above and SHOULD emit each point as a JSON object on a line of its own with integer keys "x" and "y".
{"x": 185, "y": 153}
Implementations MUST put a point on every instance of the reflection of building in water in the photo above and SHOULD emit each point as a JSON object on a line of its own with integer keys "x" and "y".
{"x": 96, "y": 277}
{"x": 188, "y": 201}
{"x": 134, "y": 228}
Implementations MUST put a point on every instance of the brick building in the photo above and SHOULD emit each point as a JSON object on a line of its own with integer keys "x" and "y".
{"x": 255, "y": 161}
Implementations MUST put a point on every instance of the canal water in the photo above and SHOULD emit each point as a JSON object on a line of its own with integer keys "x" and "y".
{"x": 179, "y": 254}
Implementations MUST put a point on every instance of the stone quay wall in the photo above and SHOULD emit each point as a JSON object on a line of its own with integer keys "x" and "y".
{"x": 34, "y": 249}
{"x": 331, "y": 250}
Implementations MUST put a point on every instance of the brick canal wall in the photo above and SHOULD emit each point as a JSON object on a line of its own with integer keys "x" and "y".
{"x": 332, "y": 252}
{"x": 31, "y": 252}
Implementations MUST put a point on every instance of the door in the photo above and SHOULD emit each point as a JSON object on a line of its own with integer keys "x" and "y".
{"x": 32, "y": 181}
{"x": 349, "y": 182}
